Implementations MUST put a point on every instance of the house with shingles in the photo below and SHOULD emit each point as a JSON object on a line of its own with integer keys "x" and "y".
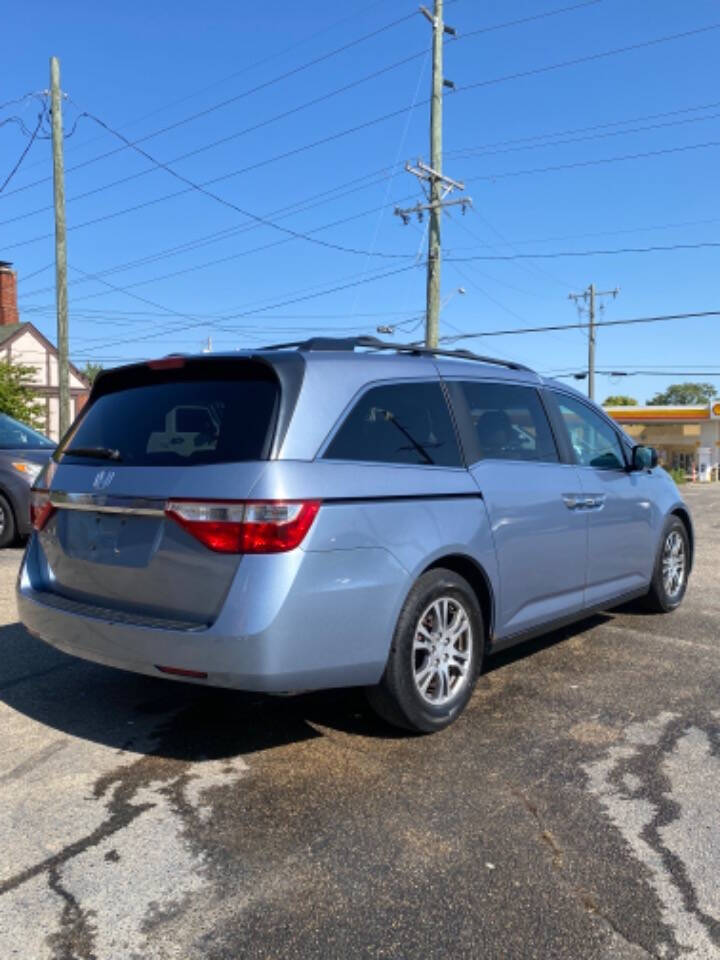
{"x": 23, "y": 343}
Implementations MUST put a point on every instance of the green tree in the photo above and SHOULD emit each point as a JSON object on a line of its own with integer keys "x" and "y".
{"x": 684, "y": 394}
{"x": 91, "y": 371}
{"x": 17, "y": 394}
{"x": 620, "y": 400}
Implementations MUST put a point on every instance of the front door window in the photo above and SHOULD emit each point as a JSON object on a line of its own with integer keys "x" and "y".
{"x": 594, "y": 442}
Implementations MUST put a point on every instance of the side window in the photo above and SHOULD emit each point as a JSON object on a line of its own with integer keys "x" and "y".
{"x": 510, "y": 422}
{"x": 594, "y": 441}
{"x": 398, "y": 423}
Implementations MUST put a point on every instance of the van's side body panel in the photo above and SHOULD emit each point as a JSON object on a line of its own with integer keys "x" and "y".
{"x": 319, "y": 616}
{"x": 124, "y": 585}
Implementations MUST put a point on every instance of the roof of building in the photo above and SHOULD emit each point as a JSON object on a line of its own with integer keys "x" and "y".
{"x": 666, "y": 413}
{"x": 8, "y": 329}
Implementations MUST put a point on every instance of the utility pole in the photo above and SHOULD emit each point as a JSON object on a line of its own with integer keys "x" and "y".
{"x": 60, "y": 246}
{"x": 589, "y": 296}
{"x": 431, "y": 176}
{"x": 436, "y": 110}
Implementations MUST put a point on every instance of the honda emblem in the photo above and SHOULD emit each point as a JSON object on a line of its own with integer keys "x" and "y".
{"x": 103, "y": 479}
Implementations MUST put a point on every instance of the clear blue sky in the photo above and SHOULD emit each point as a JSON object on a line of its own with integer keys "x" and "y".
{"x": 143, "y": 67}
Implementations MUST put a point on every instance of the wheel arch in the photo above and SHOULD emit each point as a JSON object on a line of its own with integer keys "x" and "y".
{"x": 682, "y": 514}
{"x": 478, "y": 579}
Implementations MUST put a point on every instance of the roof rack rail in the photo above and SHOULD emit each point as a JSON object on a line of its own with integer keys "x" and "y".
{"x": 372, "y": 343}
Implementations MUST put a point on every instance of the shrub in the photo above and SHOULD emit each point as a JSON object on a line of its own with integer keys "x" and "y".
{"x": 677, "y": 473}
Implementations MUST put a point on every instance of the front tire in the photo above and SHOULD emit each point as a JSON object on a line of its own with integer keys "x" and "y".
{"x": 670, "y": 576}
{"x": 435, "y": 656}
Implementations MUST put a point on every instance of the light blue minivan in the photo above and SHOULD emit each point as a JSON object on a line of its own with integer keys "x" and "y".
{"x": 341, "y": 513}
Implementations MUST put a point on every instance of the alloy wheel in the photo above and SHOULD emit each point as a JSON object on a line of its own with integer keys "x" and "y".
{"x": 673, "y": 564}
{"x": 442, "y": 651}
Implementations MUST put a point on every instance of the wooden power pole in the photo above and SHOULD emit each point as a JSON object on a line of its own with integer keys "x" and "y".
{"x": 589, "y": 296}
{"x": 436, "y": 111}
{"x": 431, "y": 176}
{"x": 60, "y": 246}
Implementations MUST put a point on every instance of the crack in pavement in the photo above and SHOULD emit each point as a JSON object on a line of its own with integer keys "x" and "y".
{"x": 638, "y": 786}
{"x": 117, "y": 821}
{"x": 587, "y": 900}
{"x": 107, "y": 905}
{"x": 75, "y": 940}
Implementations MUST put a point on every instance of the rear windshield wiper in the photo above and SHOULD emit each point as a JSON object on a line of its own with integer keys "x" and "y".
{"x": 100, "y": 453}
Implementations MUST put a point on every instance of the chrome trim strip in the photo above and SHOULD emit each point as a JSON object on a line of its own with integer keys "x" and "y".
{"x": 92, "y": 503}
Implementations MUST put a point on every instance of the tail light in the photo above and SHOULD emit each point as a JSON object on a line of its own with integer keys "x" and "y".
{"x": 41, "y": 509}
{"x": 262, "y": 526}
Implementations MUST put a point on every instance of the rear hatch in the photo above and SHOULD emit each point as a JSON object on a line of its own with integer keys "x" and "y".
{"x": 193, "y": 429}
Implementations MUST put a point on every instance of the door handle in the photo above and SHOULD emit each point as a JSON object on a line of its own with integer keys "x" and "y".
{"x": 577, "y": 501}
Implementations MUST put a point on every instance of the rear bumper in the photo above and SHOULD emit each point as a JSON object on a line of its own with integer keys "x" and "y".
{"x": 300, "y": 621}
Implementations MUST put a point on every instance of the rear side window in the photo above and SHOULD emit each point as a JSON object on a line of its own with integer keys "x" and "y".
{"x": 399, "y": 423}
{"x": 203, "y": 412}
{"x": 510, "y": 422}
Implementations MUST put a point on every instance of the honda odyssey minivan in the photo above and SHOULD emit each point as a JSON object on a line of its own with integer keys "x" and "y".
{"x": 341, "y": 513}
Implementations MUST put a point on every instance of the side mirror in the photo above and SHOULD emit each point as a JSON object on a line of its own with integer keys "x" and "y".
{"x": 644, "y": 458}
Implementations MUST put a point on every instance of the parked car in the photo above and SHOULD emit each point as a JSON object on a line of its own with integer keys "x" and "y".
{"x": 316, "y": 515}
{"x": 23, "y": 452}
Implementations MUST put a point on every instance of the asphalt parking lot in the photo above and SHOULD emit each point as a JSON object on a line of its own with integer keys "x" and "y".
{"x": 572, "y": 812}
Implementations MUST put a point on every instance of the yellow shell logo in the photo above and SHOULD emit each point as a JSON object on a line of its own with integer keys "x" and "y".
{"x": 716, "y": 410}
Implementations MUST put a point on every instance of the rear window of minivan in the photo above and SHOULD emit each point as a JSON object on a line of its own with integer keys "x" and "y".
{"x": 179, "y": 414}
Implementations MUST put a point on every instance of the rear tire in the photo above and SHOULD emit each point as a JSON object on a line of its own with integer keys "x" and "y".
{"x": 435, "y": 656}
{"x": 669, "y": 582}
{"x": 7, "y": 523}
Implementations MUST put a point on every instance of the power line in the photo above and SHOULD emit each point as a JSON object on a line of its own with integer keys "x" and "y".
{"x": 580, "y": 326}
{"x": 263, "y": 247}
{"x": 531, "y": 143}
{"x": 234, "y": 256}
{"x": 257, "y": 126}
{"x": 234, "y": 99}
{"x": 580, "y": 375}
{"x": 290, "y": 73}
{"x": 35, "y": 273}
{"x": 529, "y": 19}
{"x": 554, "y": 255}
{"x": 248, "y": 309}
{"x": 294, "y": 234}
{"x": 374, "y": 121}
{"x": 298, "y": 207}
{"x": 274, "y": 306}
{"x": 597, "y": 233}
{"x": 598, "y": 162}
{"x": 588, "y": 58}
{"x": 226, "y": 139}
{"x": 642, "y": 368}
{"x": 223, "y": 177}
{"x": 26, "y": 150}
{"x": 247, "y": 69}
{"x": 23, "y": 129}
{"x": 135, "y": 296}
{"x": 143, "y": 315}
{"x": 530, "y": 268}
{"x": 22, "y": 99}
{"x": 396, "y": 162}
